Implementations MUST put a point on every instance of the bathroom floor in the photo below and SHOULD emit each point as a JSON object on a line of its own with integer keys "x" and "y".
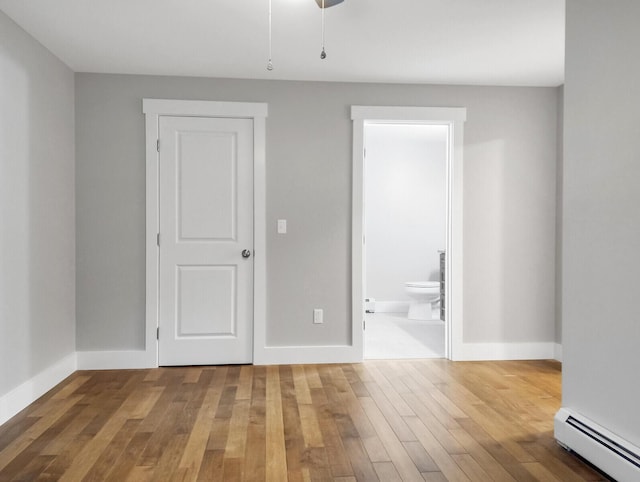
{"x": 392, "y": 336}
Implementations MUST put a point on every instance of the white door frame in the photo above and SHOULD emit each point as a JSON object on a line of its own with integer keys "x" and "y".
{"x": 153, "y": 109}
{"x": 454, "y": 118}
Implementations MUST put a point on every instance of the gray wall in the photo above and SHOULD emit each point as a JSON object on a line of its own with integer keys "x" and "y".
{"x": 510, "y": 159}
{"x": 37, "y": 237}
{"x": 601, "y": 229}
{"x": 509, "y": 216}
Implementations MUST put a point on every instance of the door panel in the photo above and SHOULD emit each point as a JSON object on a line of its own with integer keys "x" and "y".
{"x": 206, "y": 221}
{"x": 206, "y": 300}
{"x": 203, "y": 184}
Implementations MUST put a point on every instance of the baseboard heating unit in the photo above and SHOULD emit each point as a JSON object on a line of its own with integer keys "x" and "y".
{"x": 611, "y": 454}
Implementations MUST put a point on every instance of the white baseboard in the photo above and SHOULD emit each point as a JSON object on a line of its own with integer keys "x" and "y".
{"x": 392, "y": 306}
{"x": 504, "y": 351}
{"x": 27, "y": 393}
{"x": 294, "y": 355}
{"x": 557, "y": 351}
{"x": 116, "y": 360}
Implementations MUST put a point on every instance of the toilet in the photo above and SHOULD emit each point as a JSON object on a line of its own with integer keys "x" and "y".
{"x": 425, "y": 295}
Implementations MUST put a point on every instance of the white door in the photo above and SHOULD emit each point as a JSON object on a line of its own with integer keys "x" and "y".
{"x": 206, "y": 241}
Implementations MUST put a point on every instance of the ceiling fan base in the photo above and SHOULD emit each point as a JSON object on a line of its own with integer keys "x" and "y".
{"x": 328, "y": 3}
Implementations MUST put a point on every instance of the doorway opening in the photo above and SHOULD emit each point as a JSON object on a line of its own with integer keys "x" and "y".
{"x": 405, "y": 214}
{"x": 374, "y": 125}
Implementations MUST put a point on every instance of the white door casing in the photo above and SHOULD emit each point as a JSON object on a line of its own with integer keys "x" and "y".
{"x": 454, "y": 117}
{"x": 206, "y": 240}
{"x": 255, "y": 114}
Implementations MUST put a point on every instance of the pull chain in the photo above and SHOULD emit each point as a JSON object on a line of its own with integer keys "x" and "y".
{"x": 323, "y": 54}
{"x": 269, "y": 63}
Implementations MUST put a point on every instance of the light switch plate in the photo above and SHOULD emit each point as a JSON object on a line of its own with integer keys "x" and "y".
{"x": 282, "y": 226}
{"x": 318, "y": 316}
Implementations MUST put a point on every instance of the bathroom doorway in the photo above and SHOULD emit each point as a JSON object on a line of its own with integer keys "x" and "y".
{"x": 407, "y": 208}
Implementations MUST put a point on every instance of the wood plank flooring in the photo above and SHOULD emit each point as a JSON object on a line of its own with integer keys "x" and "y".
{"x": 410, "y": 420}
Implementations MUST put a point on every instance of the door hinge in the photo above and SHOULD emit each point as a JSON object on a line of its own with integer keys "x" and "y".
{"x": 158, "y": 239}
{"x": 158, "y": 333}
{"x": 364, "y": 325}
{"x": 158, "y": 145}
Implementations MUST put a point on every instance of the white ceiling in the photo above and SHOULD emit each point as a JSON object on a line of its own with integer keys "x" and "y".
{"x": 483, "y": 42}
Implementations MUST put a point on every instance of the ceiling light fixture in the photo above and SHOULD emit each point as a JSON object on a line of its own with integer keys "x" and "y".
{"x": 322, "y": 4}
{"x": 328, "y": 3}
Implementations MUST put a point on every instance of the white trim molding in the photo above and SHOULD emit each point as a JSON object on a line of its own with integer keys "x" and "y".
{"x": 454, "y": 118}
{"x": 28, "y": 392}
{"x": 115, "y": 360}
{"x": 392, "y": 306}
{"x": 204, "y": 108}
{"x": 557, "y": 351}
{"x": 505, "y": 351}
{"x": 296, "y": 355}
{"x": 153, "y": 110}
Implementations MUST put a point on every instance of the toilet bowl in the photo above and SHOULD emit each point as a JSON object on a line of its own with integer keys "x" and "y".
{"x": 425, "y": 296}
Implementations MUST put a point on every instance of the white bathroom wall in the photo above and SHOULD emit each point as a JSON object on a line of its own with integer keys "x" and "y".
{"x": 405, "y": 207}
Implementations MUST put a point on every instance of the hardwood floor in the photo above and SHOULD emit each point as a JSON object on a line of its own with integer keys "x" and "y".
{"x": 411, "y": 420}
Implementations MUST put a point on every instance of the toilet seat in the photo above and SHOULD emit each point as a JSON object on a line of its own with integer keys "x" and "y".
{"x": 422, "y": 284}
